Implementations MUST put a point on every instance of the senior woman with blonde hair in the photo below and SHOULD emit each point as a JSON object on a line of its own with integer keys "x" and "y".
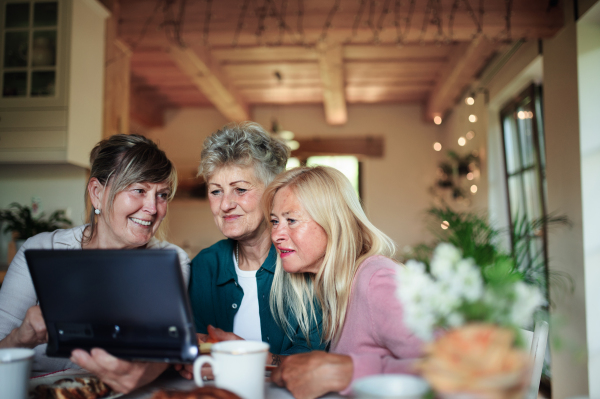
{"x": 230, "y": 281}
{"x": 130, "y": 185}
{"x": 328, "y": 249}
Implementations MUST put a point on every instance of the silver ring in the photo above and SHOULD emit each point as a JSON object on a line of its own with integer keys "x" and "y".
{"x": 205, "y": 378}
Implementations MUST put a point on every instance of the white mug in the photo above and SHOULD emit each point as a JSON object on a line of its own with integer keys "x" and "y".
{"x": 15, "y": 370}
{"x": 238, "y": 366}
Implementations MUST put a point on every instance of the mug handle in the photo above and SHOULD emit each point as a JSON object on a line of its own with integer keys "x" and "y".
{"x": 198, "y": 363}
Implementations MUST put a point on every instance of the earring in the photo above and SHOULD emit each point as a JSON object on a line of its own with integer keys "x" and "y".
{"x": 97, "y": 211}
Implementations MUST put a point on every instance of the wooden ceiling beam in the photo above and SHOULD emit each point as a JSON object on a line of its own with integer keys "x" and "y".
{"x": 360, "y": 146}
{"x": 211, "y": 81}
{"x": 331, "y": 66}
{"x": 462, "y": 68}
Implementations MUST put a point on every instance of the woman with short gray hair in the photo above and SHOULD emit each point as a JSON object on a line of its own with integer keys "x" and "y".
{"x": 230, "y": 281}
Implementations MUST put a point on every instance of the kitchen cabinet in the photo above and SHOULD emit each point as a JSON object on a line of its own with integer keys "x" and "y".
{"x": 51, "y": 80}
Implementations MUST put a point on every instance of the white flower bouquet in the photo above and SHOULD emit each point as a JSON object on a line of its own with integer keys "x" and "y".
{"x": 456, "y": 291}
{"x": 473, "y": 313}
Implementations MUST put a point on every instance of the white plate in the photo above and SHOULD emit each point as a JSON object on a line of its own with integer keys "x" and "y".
{"x": 390, "y": 386}
{"x": 59, "y": 375}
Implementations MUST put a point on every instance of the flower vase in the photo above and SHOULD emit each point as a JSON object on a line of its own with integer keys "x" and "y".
{"x": 477, "y": 361}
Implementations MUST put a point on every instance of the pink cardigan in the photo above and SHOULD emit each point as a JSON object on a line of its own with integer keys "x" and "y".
{"x": 374, "y": 335}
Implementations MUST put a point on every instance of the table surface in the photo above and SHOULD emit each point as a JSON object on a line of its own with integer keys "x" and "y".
{"x": 168, "y": 380}
{"x": 173, "y": 381}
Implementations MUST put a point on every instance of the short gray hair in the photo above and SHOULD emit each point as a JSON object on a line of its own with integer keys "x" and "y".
{"x": 243, "y": 144}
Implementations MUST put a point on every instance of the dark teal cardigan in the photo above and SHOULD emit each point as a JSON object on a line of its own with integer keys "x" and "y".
{"x": 216, "y": 296}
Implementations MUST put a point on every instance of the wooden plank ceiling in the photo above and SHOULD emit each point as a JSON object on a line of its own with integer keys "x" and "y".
{"x": 234, "y": 54}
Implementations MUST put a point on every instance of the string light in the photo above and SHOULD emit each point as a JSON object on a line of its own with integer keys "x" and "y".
{"x": 469, "y": 100}
{"x": 470, "y": 134}
{"x": 470, "y": 176}
{"x": 286, "y": 135}
{"x": 473, "y": 188}
{"x": 437, "y": 146}
{"x": 524, "y": 114}
{"x": 437, "y": 120}
{"x": 472, "y": 118}
{"x": 462, "y": 141}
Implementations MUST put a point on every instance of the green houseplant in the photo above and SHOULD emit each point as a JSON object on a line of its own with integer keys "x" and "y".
{"x": 20, "y": 220}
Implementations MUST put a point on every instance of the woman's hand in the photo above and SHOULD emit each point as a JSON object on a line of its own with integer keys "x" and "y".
{"x": 201, "y": 338}
{"x": 30, "y": 334}
{"x": 313, "y": 374}
{"x": 187, "y": 371}
{"x": 217, "y": 335}
{"x": 120, "y": 375}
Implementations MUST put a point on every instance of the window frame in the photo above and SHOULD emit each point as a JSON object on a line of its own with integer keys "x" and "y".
{"x": 531, "y": 95}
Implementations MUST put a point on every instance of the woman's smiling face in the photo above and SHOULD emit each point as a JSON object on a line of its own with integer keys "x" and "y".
{"x": 234, "y": 193}
{"x": 300, "y": 241}
{"x": 135, "y": 216}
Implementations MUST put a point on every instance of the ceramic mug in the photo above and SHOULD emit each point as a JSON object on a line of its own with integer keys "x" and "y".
{"x": 390, "y": 386}
{"x": 238, "y": 366}
{"x": 15, "y": 370}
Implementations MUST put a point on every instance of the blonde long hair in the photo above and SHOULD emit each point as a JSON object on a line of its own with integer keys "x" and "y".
{"x": 330, "y": 200}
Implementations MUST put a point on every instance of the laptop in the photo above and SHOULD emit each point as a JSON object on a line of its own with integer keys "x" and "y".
{"x": 131, "y": 303}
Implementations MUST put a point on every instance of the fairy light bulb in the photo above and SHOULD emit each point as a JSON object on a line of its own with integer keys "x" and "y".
{"x": 462, "y": 141}
{"x": 437, "y": 146}
{"x": 437, "y": 120}
{"x": 445, "y": 225}
{"x": 473, "y": 188}
{"x": 469, "y": 100}
{"x": 293, "y": 144}
{"x": 472, "y": 118}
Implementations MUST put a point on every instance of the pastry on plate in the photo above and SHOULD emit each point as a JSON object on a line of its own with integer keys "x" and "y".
{"x": 72, "y": 388}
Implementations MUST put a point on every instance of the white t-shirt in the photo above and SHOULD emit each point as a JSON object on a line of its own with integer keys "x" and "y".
{"x": 246, "y": 322}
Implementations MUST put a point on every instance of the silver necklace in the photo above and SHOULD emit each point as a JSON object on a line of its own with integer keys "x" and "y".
{"x": 237, "y": 254}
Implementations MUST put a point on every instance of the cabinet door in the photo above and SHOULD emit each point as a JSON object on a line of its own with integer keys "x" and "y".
{"x": 32, "y": 52}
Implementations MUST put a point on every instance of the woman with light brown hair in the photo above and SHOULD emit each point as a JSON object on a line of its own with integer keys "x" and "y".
{"x": 130, "y": 185}
{"x": 329, "y": 250}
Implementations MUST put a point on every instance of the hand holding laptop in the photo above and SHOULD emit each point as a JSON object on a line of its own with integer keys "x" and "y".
{"x": 120, "y": 375}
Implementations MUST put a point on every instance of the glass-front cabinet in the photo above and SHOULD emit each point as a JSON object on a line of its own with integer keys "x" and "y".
{"x": 51, "y": 79}
{"x": 30, "y": 49}
{"x": 32, "y": 52}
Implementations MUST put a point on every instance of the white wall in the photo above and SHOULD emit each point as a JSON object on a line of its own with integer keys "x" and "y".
{"x": 395, "y": 186}
{"x": 563, "y": 175}
{"x": 190, "y": 222}
{"x": 58, "y": 187}
{"x": 588, "y": 50}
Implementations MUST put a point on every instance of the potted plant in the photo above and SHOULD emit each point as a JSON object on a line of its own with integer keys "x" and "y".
{"x": 20, "y": 220}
